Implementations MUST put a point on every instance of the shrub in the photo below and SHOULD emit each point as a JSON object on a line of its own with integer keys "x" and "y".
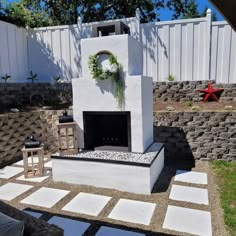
{"x": 32, "y": 77}
{"x": 170, "y": 78}
{"x": 6, "y": 78}
{"x": 57, "y": 79}
{"x": 228, "y": 108}
{"x": 170, "y": 108}
{"x": 188, "y": 103}
{"x": 196, "y": 108}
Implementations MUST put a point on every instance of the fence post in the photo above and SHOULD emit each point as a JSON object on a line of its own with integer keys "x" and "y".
{"x": 137, "y": 15}
{"x": 80, "y": 31}
{"x": 79, "y": 24}
{"x": 28, "y": 34}
{"x": 208, "y": 45}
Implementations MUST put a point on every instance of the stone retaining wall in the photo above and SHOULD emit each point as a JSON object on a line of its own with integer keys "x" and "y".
{"x": 15, "y": 127}
{"x": 189, "y": 91}
{"x": 20, "y": 95}
{"x": 187, "y": 135}
{"x": 196, "y": 135}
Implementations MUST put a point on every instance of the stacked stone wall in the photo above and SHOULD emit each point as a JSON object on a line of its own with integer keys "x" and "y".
{"x": 21, "y": 95}
{"x": 196, "y": 135}
{"x": 15, "y": 127}
{"x": 189, "y": 91}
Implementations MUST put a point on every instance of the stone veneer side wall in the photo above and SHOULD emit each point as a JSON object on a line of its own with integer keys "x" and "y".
{"x": 15, "y": 127}
{"x": 189, "y": 91}
{"x": 196, "y": 135}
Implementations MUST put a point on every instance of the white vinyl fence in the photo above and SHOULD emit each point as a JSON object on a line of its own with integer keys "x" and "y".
{"x": 179, "y": 48}
{"x": 223, "y": 53}
{"x": 55, "y": 51}
{"x": 13, "y": 51}
{"x": 190, "y": 50}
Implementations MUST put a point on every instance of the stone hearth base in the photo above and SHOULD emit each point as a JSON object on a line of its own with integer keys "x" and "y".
{"x": 124, "y": 171}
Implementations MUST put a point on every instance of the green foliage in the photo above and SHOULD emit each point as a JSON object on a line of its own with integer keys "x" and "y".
{"x": 214, "y": 16}
{"x": 226, "y": 180}
{"x": 228, "y": 108}
{"x": 113, "y": 60}
{"x": 188, "y": 103}
{"x": 57, "y": 79}
{"x": 98, "y": 73}
{"x": 170, "y": 78}
{"x": 44, "y": 13}
{"x": 6, "y": 78}
{"x": 196, "y": 108}
{"x": 119, "y": 87}
{"x": 18, "y": 14}
{"x": 32, "y": 77}
{"x": 170, "y": 108}
{"x": 191, "y": 11}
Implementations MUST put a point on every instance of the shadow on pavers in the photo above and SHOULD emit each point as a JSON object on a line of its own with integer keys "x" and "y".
{"x": 178, "y": 154}
{"x": 95, "y": 225}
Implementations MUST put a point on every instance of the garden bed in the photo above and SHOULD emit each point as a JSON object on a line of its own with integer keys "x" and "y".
{"x": 160, "y": 105}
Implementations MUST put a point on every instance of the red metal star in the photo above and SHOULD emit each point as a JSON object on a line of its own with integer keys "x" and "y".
{"x": 210, "y": 92}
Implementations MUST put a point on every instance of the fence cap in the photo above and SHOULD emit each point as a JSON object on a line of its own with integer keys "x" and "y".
{"x": 208, "y": 11}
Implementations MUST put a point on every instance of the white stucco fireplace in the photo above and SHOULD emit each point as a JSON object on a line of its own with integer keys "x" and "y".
{"x": 116, "y": 142}
{"x": 98, "y": 96}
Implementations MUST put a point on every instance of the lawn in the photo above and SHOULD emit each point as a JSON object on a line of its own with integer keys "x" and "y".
{"x": 226, "y": 179}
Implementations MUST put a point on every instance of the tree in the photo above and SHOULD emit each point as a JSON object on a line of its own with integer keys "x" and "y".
{"x": 35, "y": 13}
{"x": 191, "y": 10}
{"x": 179, "y": 7}
{"x": 19, "y": 15}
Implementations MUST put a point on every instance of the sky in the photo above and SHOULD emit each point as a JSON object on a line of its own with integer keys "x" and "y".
{"x": 165, "y": 14}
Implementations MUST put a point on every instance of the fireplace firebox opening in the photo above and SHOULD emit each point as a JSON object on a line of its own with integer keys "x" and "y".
{"x": 107, "y": 131}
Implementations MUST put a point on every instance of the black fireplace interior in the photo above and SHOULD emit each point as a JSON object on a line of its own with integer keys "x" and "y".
{"x": 107, "y": 131}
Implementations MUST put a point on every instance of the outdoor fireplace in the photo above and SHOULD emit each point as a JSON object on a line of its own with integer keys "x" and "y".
{"x": 115, "y": 133}
{"x": 107, "y": 131}
{"x": 110, "y": 28}
{"x": 90, "y": 95}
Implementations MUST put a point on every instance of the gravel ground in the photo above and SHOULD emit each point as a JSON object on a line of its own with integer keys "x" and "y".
{"x": 159, "y": 196}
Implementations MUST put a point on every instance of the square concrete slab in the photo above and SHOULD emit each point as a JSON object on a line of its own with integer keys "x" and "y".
{"x": 33, "y": 213}
{"x": 85, "y": 203}
{"x": 45, "y": 197}
{"x": 108, "y": 231}
{"x": 71, "y": 227}
{"x": 133, "y": 211}
{"x": 36, "y": 179}
{"x": 189, "y": 194}
{"x": 11, "y": 190}
{"x": 191, "y": 177}
{"x": 10, "y": 171}
{"x": 188, "y": 221}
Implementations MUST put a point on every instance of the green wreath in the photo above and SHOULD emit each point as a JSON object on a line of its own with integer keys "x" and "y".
{"x": 114, "y": 73}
